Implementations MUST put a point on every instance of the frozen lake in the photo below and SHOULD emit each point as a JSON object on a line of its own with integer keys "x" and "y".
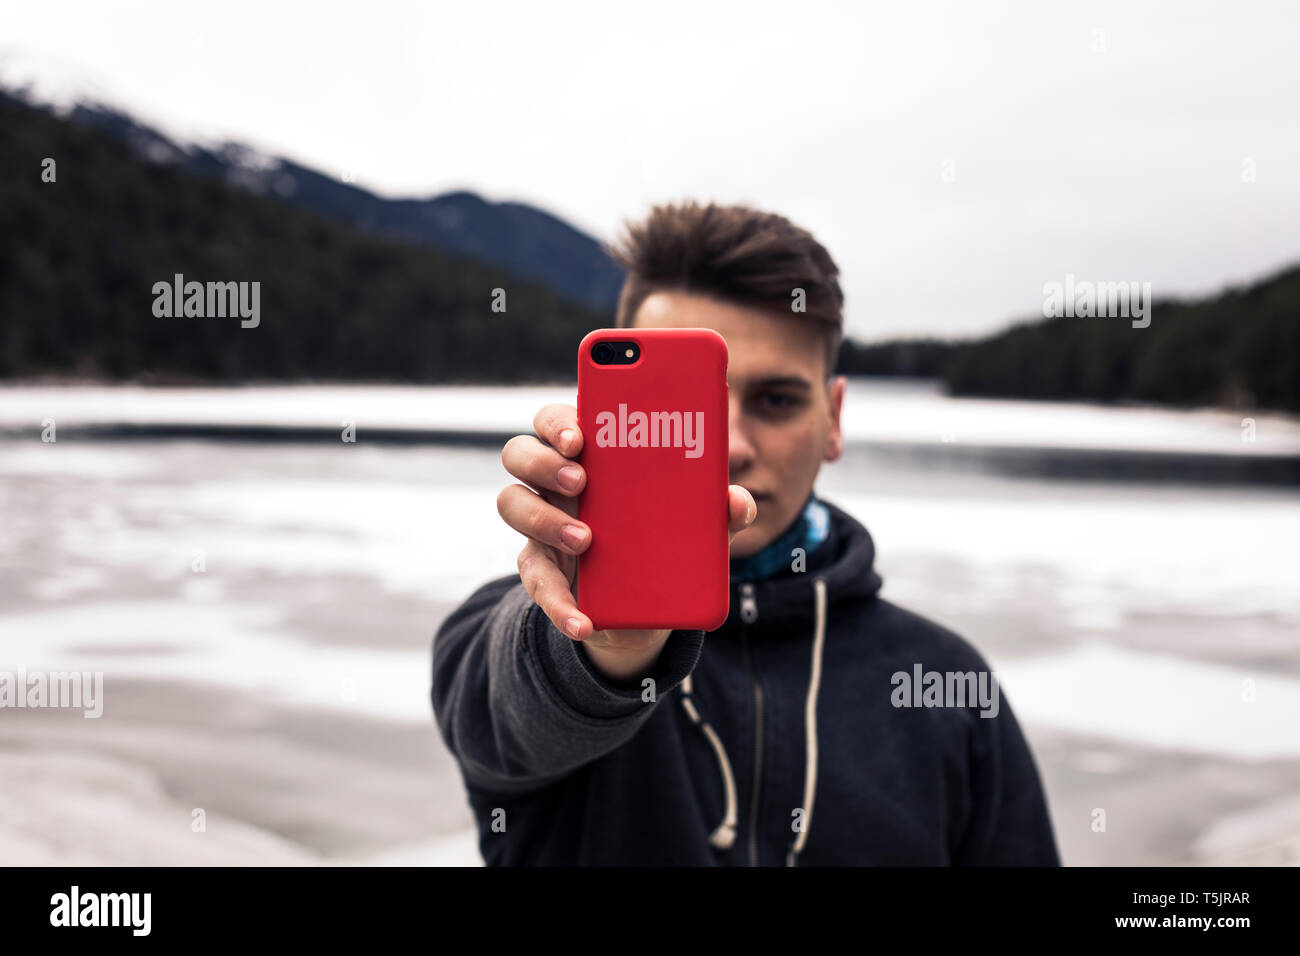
{"x": 1146, "y": 632}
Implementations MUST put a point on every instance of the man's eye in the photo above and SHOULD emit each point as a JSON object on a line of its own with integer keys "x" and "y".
{"x": 778, "y": 401}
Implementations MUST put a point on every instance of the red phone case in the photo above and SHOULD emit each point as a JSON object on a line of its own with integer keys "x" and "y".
{"x": 656, "y": 493}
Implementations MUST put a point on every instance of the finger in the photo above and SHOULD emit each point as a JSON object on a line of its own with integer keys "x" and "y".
{"x": 549, "y": 588}
{"x": 529, "y": 460}
{"x": 742, "y": 508}
{"x": 529, "y": 514}
{"x": 557, "y": 425}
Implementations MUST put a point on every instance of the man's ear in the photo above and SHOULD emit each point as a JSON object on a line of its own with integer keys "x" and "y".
{"x": 835, "y": 400}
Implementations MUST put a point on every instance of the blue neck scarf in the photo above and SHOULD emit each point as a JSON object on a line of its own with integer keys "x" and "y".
{"x": 807, "y": 531}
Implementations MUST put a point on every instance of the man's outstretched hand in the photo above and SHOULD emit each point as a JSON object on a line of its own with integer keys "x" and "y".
{"x": 545, "y": 509}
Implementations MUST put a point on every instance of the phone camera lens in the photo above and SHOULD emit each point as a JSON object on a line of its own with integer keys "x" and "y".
{"x": 603, "y": 352}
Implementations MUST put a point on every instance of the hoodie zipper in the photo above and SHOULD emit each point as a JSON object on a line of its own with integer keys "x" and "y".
{"x": 749, "y": 614}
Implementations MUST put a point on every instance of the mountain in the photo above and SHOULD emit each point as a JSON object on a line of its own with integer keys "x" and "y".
{"x": 517, "y": 237}
{"x": 81, "y": 257}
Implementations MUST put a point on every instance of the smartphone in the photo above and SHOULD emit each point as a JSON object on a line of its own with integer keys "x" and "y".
{"x": 653, "y": 407}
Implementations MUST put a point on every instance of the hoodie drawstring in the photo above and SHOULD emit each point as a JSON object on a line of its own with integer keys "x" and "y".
{"x": 724, "y": 836}
{"x": 810, "y": 723}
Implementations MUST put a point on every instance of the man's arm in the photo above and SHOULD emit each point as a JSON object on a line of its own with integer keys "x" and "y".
{"x": 520, "y": 704}
{"x": 1008, "y": 823}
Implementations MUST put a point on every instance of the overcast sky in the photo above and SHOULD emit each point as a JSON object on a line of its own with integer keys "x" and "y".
{"x": 952, "y": 158}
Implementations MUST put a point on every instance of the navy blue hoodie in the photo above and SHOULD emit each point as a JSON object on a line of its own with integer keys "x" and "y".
{"x": 778, "y": 739}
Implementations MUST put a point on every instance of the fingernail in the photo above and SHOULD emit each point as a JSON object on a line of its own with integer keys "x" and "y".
{"x": 573, "y": 626}
{"x": 570, "y": 475}
{"x": 566, "y": 437}
{"x": 574, "y": 536}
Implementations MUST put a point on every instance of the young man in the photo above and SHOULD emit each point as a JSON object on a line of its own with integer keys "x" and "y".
{"x": 779, "y": 738}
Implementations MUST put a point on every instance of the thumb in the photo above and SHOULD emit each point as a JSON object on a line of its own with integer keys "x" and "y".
{"x": 742, "y": 508}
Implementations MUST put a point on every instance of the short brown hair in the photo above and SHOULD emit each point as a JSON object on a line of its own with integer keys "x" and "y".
{"x": 735, "y": 254}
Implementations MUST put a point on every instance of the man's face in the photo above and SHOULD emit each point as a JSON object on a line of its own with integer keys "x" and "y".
{"x": 784, "y": 418}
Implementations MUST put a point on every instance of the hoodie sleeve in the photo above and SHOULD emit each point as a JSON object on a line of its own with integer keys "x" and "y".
{"x": 1008, "y": 824}
{"x": 519, "y": 703}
